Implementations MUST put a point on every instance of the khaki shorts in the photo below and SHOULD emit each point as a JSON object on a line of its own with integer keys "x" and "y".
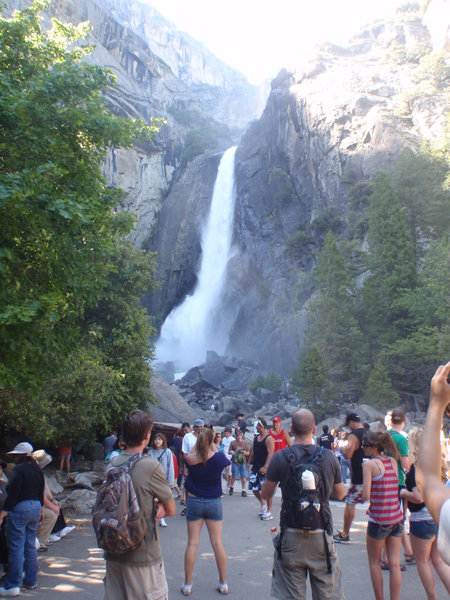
{"x": 303, "y": 553}
{"x": 129, "y": 582}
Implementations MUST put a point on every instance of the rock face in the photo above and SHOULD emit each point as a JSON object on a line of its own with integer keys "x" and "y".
{"x": 160, "y": 73}
{"x": 341, "y": 120}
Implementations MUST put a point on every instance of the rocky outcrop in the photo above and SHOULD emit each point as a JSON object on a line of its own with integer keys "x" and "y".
{"x": 340, "y": 120}
{"x": 160, "y": 73}
{"x": 170, "y": 407}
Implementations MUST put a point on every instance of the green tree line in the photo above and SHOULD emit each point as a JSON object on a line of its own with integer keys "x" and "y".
{"x": 74, "y": 356}
{"x": 378, "y": 322}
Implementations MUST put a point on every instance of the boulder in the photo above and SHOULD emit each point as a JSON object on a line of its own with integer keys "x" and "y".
{"x": 87, "y": 480}
{"x": 81, "y": 502}
{"x": 171, "y": 407}
{"x": 55, "y": 487}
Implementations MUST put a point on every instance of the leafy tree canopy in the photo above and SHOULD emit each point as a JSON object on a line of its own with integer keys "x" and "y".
{"x": 69, "y": 282}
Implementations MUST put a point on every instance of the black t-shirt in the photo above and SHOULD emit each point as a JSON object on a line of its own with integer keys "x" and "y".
{"x": 330, "y": 473}
{"x": 325, "y": 440}
{"x": 26, "y": 483}
{"x": 242, "y": 424}
{"x": 410, "y": 484}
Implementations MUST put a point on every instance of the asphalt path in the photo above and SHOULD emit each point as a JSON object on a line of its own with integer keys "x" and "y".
{"x": 73, "y": 568}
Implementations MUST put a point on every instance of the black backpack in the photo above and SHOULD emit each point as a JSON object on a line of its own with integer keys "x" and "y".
{"x": 302, "y": 507}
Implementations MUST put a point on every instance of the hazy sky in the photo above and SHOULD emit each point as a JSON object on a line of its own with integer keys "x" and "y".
{"x": 259, "y": 37}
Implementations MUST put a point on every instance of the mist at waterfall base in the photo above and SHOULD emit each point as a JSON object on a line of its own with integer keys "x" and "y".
{"x": 194, "y": 327}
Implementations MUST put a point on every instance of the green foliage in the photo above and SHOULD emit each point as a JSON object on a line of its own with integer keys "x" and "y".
{"x": 270, "y": 382}
{"x": 392, "y": 266}
{"x": 281, "y": 186}
{"x": 312, "y": 383}
{"x": 299, "y": 244}
{"x": 204, "y": 138}
{"x": 63, "y": 258}
{"x": 379, "y": 391}
{"x": 328, "y": 220}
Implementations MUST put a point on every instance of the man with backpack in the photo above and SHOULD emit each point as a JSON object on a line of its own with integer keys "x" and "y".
{"x": 133, "y": 572}
{"x": 308, "y": 475}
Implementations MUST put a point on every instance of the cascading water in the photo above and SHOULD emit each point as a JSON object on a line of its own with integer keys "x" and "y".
{"x": 191, "y": 328}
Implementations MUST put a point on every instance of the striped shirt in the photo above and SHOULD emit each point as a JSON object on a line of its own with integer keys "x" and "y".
{"x": 384, "y": 506}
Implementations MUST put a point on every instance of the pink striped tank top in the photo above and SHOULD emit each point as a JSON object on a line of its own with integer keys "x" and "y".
{"x": 384, "y": 506}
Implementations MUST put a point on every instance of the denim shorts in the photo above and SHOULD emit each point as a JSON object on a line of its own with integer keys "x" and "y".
{"x": 425, "y": 530}
{"x": 381, "y": 532}
{"x": 239, "y": 471}
{"x": 209, "y": 509}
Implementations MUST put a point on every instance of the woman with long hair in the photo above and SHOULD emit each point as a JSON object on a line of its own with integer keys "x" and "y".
{"x": 160, "y": 452}
{"x": 204, "y": 505}
{"x": 423, "y": 530}
{"x": 385, "y": 526}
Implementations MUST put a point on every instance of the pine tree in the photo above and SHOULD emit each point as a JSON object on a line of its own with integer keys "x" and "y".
{"x": 332, "y": 327}
{"x": 392, "y": 266}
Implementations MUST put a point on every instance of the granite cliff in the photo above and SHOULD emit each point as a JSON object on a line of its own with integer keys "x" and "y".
{"x": 335, "y": 122}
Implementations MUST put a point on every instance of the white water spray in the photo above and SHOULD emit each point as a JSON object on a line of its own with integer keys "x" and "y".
{"x": 191, "y": 328}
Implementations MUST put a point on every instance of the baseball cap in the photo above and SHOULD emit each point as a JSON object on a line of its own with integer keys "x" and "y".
{"x": 22, "y": 448}
{"x": 228, "y": 428}
{"x": 276, "y": 420}
{"x": 352, "y": 417}
{"x": 199, "y": 423}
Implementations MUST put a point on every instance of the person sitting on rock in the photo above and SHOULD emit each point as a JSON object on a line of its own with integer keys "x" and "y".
{"x": 51, "y": 508}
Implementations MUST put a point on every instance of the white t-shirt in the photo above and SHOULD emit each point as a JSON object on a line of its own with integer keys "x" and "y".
{"x": 226, "y": 441}
{"x": 189, "y": 442}
{"x": 443, "y": 543}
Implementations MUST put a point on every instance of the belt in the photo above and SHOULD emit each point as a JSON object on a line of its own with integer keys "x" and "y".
{"x": 304, "y": 531}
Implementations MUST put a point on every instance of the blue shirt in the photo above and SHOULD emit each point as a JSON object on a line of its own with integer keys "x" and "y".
{"x": 204, "y": 480}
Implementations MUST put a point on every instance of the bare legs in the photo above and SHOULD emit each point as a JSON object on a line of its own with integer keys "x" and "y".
{"x": 269, "y": 502}
{"x": 349, "y": 515}
{"x": 374, "y": 547}
{"x": 424, "y": 550}
{"x": 215, "y": 538}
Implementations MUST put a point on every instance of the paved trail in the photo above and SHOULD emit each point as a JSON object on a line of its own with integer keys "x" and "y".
{"x": 74, "y": 568}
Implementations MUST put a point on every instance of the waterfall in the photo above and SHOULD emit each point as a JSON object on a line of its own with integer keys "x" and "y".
{"x": 191, "y": 328}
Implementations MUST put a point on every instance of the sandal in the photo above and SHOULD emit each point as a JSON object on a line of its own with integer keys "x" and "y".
{"x": 410, "y": 559}
{"x": 384, "y": 565}
{"x": 222, "y": 588}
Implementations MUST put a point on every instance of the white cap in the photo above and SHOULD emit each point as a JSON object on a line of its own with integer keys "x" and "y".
{"x": 22, "y": 448}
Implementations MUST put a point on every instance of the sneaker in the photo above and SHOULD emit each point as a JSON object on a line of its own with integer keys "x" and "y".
{"x": 267, "y": 516}
{"x": 162, "y": 523}
{"x": 183, "y": 512}
{"x": 14, "y": 591}
{"x": 27, "y": 586}
{"x": 262, "y": 509}
{"x": 222, "y": 588}
{"x": 66, "y": 530}
{"x": 244, "y": 494}
{"x": 230, "y": 491}
{"x": 54, "y": 537}
{"x": 341, "y": 539}
{"x": 42, "y": 549}
{"x": 186, "y": 590}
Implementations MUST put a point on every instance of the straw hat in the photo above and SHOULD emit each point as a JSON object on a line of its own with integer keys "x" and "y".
{"x": 42, "y": 458}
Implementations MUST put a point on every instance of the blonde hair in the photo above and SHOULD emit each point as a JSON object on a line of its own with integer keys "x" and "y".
{"x": 414, "y": 439}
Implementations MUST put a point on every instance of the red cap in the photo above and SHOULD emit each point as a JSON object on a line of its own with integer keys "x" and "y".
{"x": 276, "y": 420}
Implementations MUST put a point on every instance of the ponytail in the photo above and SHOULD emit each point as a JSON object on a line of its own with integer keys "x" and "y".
{"x": 203, "y": 445}
{"x": 382, "y": 441}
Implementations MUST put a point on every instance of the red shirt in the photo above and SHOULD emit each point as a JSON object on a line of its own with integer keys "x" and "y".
{"x": 279, "y": 440}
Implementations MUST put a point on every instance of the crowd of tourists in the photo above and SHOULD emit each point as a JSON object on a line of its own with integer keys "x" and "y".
{"x": 401, "y": 478}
